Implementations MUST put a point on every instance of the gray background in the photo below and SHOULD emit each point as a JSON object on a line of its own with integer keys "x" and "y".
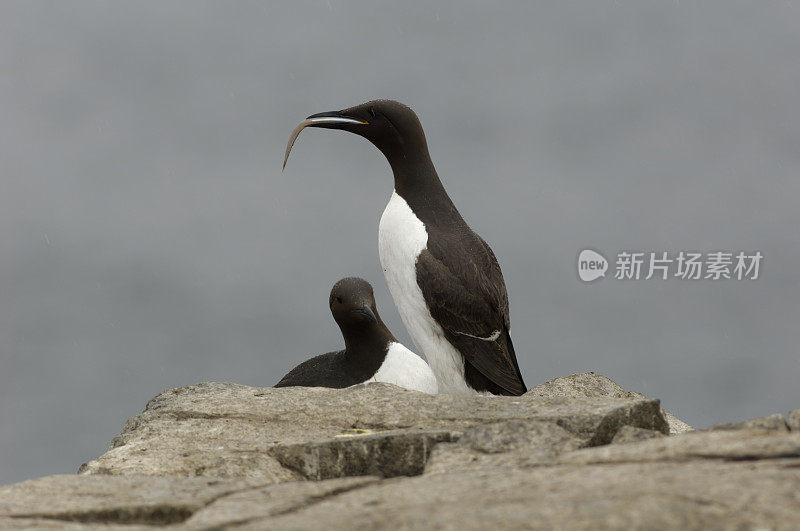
{"x": 149, "y": 239}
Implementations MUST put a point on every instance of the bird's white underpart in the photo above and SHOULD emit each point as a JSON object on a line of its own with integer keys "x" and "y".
{"x": 401, "y": 238}
{"x": 405, "y": 369}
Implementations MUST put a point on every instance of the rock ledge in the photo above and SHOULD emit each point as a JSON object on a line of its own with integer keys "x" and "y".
{"x": 576, "y": 452}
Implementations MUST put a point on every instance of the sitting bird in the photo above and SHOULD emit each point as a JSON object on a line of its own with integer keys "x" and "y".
{"x": 371, "y": 353}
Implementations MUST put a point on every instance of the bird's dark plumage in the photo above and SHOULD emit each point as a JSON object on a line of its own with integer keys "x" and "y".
{"x": 325, "y": 370}
{"x": 455, "y": 270}
{"x": 371, "y": 352}
{"x": 466, "y": 295}
{"x": 366, "y": 338}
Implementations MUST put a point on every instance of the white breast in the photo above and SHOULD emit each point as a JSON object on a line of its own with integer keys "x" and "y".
{"x": 401, "y": 238}
{"x": 404, "y": 368}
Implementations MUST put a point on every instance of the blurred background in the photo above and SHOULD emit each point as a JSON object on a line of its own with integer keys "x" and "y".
{"x": 149, "y": 240}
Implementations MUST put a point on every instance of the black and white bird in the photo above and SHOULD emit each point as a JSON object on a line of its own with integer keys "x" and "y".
{"x": 371, "y": 353}
{"x": 444, "y": 279}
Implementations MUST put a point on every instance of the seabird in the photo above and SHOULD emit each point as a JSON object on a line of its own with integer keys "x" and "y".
{"x": 371, "y": 352}
{"x": 444, "y": 279}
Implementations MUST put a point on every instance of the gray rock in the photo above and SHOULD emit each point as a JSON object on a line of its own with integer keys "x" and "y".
{"x": 697, "y": 494}
{"x": 676, "y": 425}
{"x": 607, "y": 418}
{"x": 274, "y": 500}
{"x": 513, "y": 443}
{"x": 141, "y": 502}
{"x": 42, "y": 523}
{"x": 113, "y": 499}
{"x": 694, "y": 495}
{"x": 537, "y": 461}
{"x": 630, "y": 434}
{"x": 388, "y": 454}
{"x": 286, "y": 434}
{"x": 581, "y": 385}
{"x": 724, "y": 444}
{"x": 593, "y": 385}
{"x": 794, "y": 420}
{"x": 774, "y": 422}
{"x": 524, "y": 443}
{"x": 514, "y": 435}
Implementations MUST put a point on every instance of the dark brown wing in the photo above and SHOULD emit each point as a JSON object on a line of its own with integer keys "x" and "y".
{"x": 463, "y": 286}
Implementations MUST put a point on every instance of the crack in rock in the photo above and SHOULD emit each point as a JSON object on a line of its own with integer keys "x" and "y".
{"x": 157, "y": 515}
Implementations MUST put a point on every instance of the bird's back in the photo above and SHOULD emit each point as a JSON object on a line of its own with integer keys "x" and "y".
{"x": 325, "y": 370}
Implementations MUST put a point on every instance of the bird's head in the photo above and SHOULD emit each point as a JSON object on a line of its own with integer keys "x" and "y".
{"x": 352, "y": 304}
{"x": 391, "y": 126}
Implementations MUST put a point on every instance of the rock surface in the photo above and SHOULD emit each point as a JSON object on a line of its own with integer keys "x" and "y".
{"x": 774, "y": 422}
{"x": 794, "y": 420}
{"x": 157, "y": 501}
{"x": 578, "y": 452}
{"x": 593, "y": 385}
{"x": 630, "y": 434}
{"x": 287, "y": 434}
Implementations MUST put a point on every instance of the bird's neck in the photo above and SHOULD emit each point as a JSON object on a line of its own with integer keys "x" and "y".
{"x": 416, "y": 181}
{"x": 366, "y": 345}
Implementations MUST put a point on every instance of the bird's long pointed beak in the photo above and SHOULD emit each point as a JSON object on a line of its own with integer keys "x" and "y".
{"x": 323, "y": 119}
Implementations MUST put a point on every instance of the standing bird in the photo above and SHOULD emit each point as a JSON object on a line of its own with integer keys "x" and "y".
{"x": 371, "y": 353}
{"x": 444, "y": 279}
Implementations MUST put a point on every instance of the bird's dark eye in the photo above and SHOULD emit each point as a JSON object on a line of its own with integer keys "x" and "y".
{"x": 372, "y": 111}
{"x": 339, "y": 300}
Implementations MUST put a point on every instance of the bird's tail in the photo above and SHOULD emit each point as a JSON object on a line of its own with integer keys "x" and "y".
{"x": 513, "y": 355}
